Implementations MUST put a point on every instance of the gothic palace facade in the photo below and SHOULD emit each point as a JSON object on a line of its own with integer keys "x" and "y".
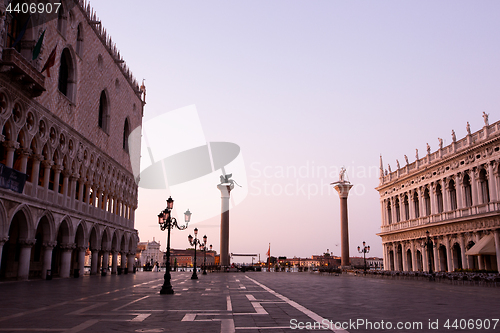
{"x": 454, "y": 194}
{"x": 68, "y": 194}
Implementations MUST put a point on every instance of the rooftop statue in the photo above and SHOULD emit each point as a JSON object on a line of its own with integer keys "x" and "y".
{"x": 224, "y": 179}
{"x": 485, "y": 117}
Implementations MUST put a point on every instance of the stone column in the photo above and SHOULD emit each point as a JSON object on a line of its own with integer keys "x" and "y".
{"x": 114, "y": 267}
{"x": 411, "y": 204}
{"x": 105, "y": 262}
{"x": 81, "y": 182}
{"x": 437, "y": 264}
{"x": 10, "y": 148}
{"x": 473, "y": 182}
{"x": 47, "y": 257}
{"x": 343, "y": 188}
{"x": 421, "y": 202}
{"x": 449, "y": 260}
{"x": 384, "y": 220}
{"x": 130, "y": 262}
{"x": 459, "y": 187}
{"x": 425, "y": 259}
{"x": 446, "y": 195}
{"x": 404, "y": 257}
{"x": 94, "y": 196}
{"x": 497, "y": 247}
{"x": 384, "y": 253}
{"x": 480, "y": 260}
{"x": 35, "y": 171}
{"x": 225, "y": 190}
{"x": 25, "y": 154}
{"x": 413, "y": 256}
{"x": 66, "y": 250}
{"x": 433, "y": 198}
{"x": 81, "y": 259}
{"x": 72, "y": 194}
{"x": 94, "y": 261}
{"x": 24, "y": 259}
{"x": 86, "y": 197}
{"x": 461, "y": 240}
{"x": 66, "y": 175}
{"x": 124, "y": 261}
{"x": 57, "y": 173}
{"x": 3, "y": 240}
{"x": 47, "y": 165}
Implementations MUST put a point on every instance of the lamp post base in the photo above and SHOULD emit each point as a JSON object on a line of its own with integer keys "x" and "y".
{"x": 167, "y": 291}
{"x": 194, "y": 276}
{"x": 204, "y": 273}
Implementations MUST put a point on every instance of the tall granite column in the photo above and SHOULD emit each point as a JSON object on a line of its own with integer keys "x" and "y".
{"x": 225, "y": 190}
{"x": 343, "y": 188}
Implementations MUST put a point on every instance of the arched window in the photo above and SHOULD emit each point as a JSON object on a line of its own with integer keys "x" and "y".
{"x": 126, "y": 133}
{"x": 389, "y": 212}
{"x": 103, "y": 112}
{"x": 427, "y": 202}
{"x": 398, "y": 211}
{"x": 453, "y": 194}
{"x": 407, "y": 208}
{"x": 416, "y": 205}
{"x": 485, "y": 190}
{"x": 67, "y": 75}
{"x": 439, "y": 197}
{"x": 467, "y": 191}
{"x": 79, "y": 40}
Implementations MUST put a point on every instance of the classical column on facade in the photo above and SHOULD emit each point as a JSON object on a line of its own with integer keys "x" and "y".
{"x": 449, "y": 259}
{"x": 25, "y": 154}
{"x": 24, "y": 259}
{"x": 94, "y": 196}
{"x": 492, "y": 180}
{"x": 461, "y": 242}
{"x": 114, "y": 262}
{"x": 81, "y": 259}
{"x": 384, "y": 257}
{"x": 47, "y": 257}
{"x": 35, "y": 172}
{"x": 124, "y": 260}
{"x": 86, "y": 195}
{"x": 421, "y": 201}
{"x": 66, "y": 250}
{"x": 343, "y": 188}
{"x": 446, "y": 194}
{"x": 10, "y": 148}
{"x": 81, "y": 185}
{"x": 105, "y": 261}
{"x": 404, "y": 256}
{"x": 413, "y": 256}
{"x": 130, "y": 262}
{"x": 57, "y": 172}
{"x": 433, "y": 198}
{"x": 72, "y": 188}
{"x": 402, "y": 216}
{"x": 3, "y": 240}
{"x": 473, "y": 183}
{"x": 396, "y": 256}
{"x": 480, "y": 261}
{"x": 94, "y": 261}
{"x": 47, "y": 165}
{"x": 225, "y": 191}
{"x": 437, "y": 264}
{"x": 459, "y": 187}
{"x": 411, "y": 204}
{"x": 496, "y": 235}
{"x": 425, "y": 258}
{"x": 66, "y": 174}
{"x": 384, "y": 220}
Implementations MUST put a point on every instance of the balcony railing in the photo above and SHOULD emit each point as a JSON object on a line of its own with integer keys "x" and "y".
{"x": 22, "y": 71}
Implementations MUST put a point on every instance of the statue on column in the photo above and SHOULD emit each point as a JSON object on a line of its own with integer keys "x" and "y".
{"x": 485, "y": 117}
{"x": 224, "y": 179}
{"x": 342, "y": 175}
{"x": 406, "y": 159}
{"x": 428, "y": 149}
{"x": 416, "y": 154}
{"x": 468, "y": 128}
{"x": 397, "y": 164}
{"x": 453, "y": 136}
{"x": 440, "y": 143}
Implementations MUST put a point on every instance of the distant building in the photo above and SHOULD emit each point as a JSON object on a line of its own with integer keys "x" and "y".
{"x": 185, "y": 258}
{"x": 453, "y": 194}
{"x": 149, "y": 253}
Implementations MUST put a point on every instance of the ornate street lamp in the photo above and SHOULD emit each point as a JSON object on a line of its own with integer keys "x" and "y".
{"x": 195, "y": 241}
{"x": 167, "y": 222}
{"x": 365, "y": 250}
{"x": 205, "y": 255}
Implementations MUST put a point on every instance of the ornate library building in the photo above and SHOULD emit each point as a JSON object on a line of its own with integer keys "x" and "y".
{"x": 441, "y": 212}
{"x": 67, "y": 105}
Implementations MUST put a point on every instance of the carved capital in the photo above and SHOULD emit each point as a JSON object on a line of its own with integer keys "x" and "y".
{"x": 58, "y": 168}
{"x": 47, "y": 164}
{"x": 67, "y": 246}
{"x": 3, "y": 240}
{"x": 27, "y": 242}
{"x": 49, "y": 245}
{"x": 11, "y": 145}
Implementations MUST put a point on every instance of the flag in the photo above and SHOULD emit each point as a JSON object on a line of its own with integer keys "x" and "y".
{"x": 38, "y": 46}
{"x": 269, "y": 251}
{"x": 22, "y": 32}
{"x": 50, "y": 61}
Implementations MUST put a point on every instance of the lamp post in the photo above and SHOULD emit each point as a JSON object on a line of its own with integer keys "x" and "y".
{"x": 205, "y": 255}
{"x": 195, "y": 241}
{"x": 365, "y": 250}
{"x": 429, "y": 245}
{"x": 166, "y": 221}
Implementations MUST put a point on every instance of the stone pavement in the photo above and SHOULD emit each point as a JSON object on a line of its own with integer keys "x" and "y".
{"x": 236, "y": 302}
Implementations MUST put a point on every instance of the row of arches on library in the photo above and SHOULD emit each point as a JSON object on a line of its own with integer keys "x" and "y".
{"x": 448, "y": 254}
{"x": 58, "y": 165}
{"x": 30, "y": 247}
{"x": 468, "y": 188}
